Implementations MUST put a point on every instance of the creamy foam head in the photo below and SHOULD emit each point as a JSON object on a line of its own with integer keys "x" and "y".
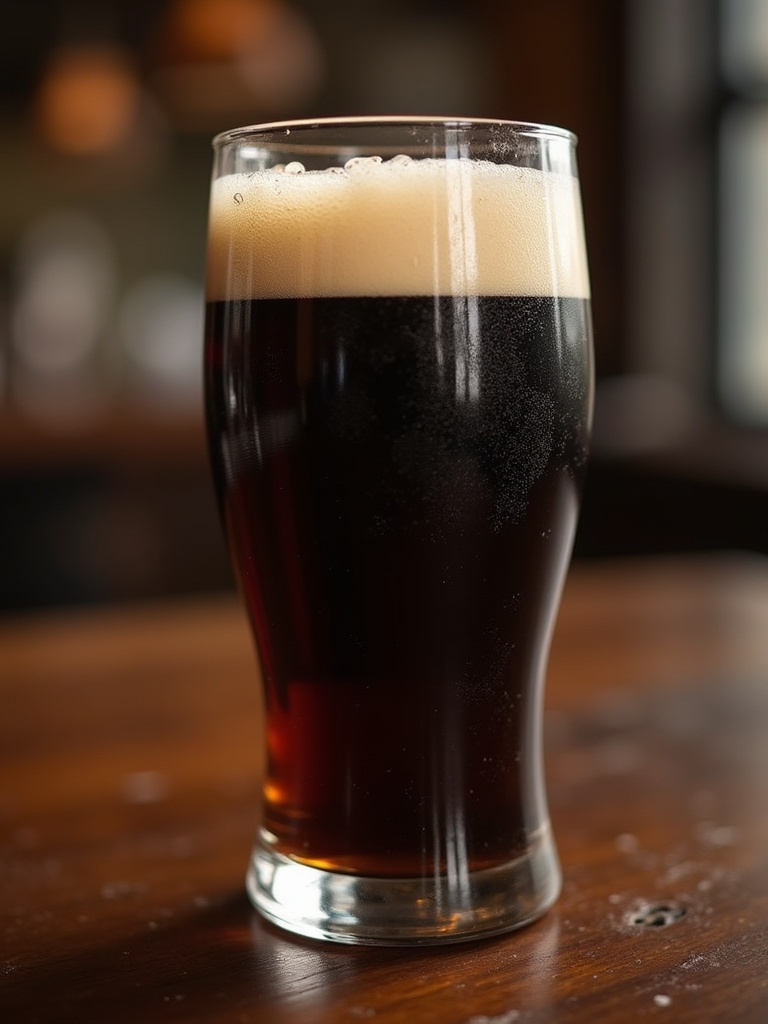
{"x": 420, "y": 227}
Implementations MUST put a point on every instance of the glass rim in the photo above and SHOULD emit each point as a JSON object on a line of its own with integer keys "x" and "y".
{"x": 530, "y": 128}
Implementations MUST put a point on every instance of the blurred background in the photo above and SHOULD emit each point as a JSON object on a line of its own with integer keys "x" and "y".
{"x": 106, "y": 112}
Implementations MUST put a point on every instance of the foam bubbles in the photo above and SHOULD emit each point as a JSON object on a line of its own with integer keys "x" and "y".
{"x": 362, "y": 163}
{"x": 396, "y": 227}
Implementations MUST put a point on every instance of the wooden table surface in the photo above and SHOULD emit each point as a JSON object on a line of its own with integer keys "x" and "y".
{"x": 128, "y": 777}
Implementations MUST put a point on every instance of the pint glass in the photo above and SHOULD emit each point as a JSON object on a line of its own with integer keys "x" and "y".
{"x": 398, "y": 391}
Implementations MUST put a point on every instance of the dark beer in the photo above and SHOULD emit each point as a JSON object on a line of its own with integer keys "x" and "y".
{"x": 399, "y": 478}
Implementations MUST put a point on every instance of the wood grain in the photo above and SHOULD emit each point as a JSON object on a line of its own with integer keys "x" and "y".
{"x": 129, "y": 763}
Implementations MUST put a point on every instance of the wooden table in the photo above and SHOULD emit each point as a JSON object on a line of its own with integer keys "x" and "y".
{"x": 128, "y": 779}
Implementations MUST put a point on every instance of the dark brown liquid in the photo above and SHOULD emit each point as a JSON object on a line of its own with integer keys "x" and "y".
{"x": 399, "y": 480}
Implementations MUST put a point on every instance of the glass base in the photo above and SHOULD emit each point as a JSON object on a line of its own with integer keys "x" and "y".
{"x": 404, "y": 911}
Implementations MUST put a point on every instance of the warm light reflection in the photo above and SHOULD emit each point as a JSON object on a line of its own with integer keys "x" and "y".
{"x": 88, "y": 100}
{"x": 216, "y": 29}
{"x": 233, "y": 59}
